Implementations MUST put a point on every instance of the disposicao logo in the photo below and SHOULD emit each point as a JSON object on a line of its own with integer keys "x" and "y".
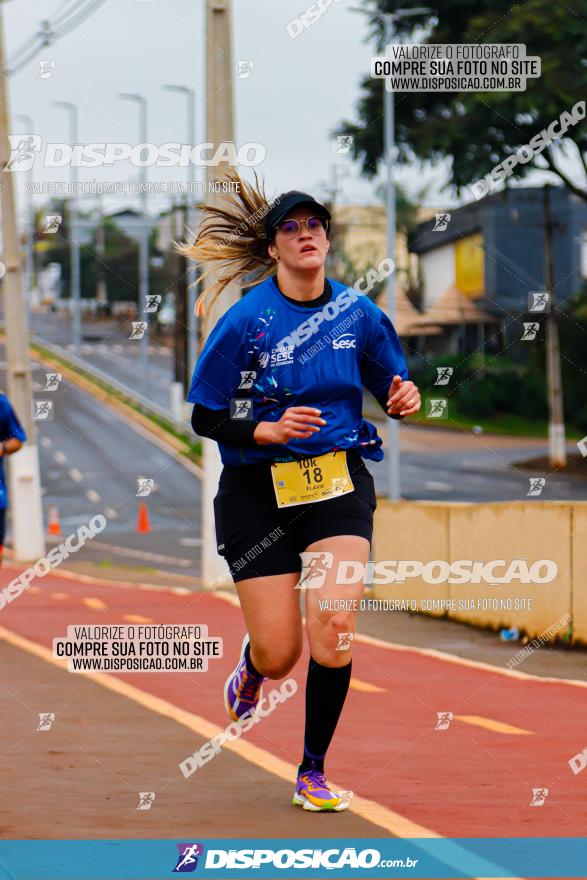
{"x": 189, "y": 855}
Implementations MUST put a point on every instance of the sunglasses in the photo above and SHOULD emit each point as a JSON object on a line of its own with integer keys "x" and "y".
{"x": 314, "y": 225}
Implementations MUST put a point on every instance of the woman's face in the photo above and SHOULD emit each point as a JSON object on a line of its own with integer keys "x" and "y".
{"x": 304, "y": 250}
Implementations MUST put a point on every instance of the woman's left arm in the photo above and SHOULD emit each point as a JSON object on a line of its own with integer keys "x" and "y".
{"x": 403, "y": 398}
{"x": 10, "y": 445}
{"x": 383, "y": 367}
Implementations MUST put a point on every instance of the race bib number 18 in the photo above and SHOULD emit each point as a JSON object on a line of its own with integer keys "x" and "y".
{"x": 311, "y": 479}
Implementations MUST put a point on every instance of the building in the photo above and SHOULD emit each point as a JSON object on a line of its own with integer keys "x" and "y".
{"x": 478, "y": 263}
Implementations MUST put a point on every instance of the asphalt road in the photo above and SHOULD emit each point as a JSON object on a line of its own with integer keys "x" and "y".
{"x": 91, "y": 460}
{"x": 436, "y": 464}
{"x": 444, "y": 465}
{"x": 107, "y": 346}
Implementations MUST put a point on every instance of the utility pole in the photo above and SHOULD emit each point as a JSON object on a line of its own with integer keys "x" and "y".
{"x": 388, "y": 19}
{"x": 31, "y": 275}
{"x": 101, "y": 288}
{"x": 180, "y": 358}
{"x": 144, "y": 237}
{"x": 394, "y": 490}
{"x": 219, "y": 129}
{"x": 25, "y": 483}
{"x": 74, "y": 245}
{"x": 557, "y": 449}
{"x": 191, "y": 221}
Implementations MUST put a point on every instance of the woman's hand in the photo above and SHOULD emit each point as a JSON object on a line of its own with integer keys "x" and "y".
{"x": 404, "y": 398}
{"x": 297, "y": 422}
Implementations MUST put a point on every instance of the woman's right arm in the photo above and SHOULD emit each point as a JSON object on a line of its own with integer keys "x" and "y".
{"x": 298, "y": 422}
{"x": 217, "y": 424}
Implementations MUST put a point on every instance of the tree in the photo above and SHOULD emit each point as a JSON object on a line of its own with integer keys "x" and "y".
{"x": 478, "y": 130}
{"x": 120, "y": 261}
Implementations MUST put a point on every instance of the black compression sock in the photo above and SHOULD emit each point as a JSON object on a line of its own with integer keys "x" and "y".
{"x": 326, "y": 691}
{"x": 249, "y": 662}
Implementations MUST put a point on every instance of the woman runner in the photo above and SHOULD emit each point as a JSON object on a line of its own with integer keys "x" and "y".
{"x": 279, "y": 386}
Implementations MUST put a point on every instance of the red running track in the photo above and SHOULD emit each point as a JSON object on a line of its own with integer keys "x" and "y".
{"x": 466, "y": 781}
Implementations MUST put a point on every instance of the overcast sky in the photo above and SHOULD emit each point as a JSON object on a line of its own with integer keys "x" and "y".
{"x": 298, "y": 91}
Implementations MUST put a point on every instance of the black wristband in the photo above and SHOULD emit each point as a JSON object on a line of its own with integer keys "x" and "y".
{"x": 382, "y": 401}
{"x": 217, "y": 425}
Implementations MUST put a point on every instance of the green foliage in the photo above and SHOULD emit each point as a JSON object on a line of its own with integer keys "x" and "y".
{"x": 119, "y": 264}
{"x": 573, "y": 344}
{"x": 406, "y": 209}
{"x": 478, "y": 130}
{"x": 516, "y": 386}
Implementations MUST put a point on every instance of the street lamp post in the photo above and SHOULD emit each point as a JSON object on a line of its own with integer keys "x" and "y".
{"x": 192, "y": 180}
{"x": 143, "y": 243}
{"x": 388, "y": 18}
{"x": 30, "y": 275}
{"x": 74, "y": 249}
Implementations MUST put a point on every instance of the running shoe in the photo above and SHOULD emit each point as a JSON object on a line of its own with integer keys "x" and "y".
{"x": 312, "y": 793}
{"x": 242, "y": 690}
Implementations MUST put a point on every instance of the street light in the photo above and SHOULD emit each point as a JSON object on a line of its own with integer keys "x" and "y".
{"x": 190, "y": 95}
{"x": 30, "y": 258}
{"x": 143, "y": 240}
{"x": 388, "y": 18}
{"x": 75, "y": 270}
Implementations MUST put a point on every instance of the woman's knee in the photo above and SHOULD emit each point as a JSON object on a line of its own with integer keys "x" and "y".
{"x": 332, "y": 629}
{"x": 275, "y": 661}
{"x": 340, "y": 621}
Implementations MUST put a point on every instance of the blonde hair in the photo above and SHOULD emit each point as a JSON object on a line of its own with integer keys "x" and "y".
{"x": 231, "y": 239}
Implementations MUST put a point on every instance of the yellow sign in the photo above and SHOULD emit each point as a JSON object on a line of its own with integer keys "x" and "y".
{"x": 470, "y": 265}
{"x": 311, "y": 479}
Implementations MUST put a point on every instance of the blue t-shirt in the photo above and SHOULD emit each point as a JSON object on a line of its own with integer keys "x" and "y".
{"x": 276, "y": 354}
{"x": 9, "y": 427}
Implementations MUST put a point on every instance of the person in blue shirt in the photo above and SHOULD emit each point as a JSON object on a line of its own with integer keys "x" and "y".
{"x": 12, "y": 436}
{"x": 279, "y": 385}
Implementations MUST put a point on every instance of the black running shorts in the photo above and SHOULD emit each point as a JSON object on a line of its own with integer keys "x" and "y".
{"x": 258, "y": 539}
{"x": 2, "y": 526}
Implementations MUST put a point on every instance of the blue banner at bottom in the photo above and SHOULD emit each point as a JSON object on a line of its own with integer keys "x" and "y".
{"x": 273, "y": 858}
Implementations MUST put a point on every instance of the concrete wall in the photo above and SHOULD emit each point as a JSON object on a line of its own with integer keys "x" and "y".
{"x": 528, "y": 531}
{"x": 438, "y": 273}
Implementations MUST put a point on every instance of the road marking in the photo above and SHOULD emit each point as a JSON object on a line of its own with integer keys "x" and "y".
{"x": 92, "y": 495}
{"x": 122, "y": 585}
{"x": 142, "y": 554}
{"x": 438, "y": 655}
{"x": 94, "y": 604}
{"x": 190, "y": 542}
{"x": 46, "y": 442}
{"x": 496, "y": 726}
{"x": 463, "y": 661}
{"x": 59, "y": 457}
{"x": 357, "y": 685}
{"x": 137, "y": 618}
{"x": 75, "y": 475}
{"x": 437, "y": 485}
{"x": 233, "y": 599}
{"x": 161, "y": 443}
{"x": 393, "y": 823}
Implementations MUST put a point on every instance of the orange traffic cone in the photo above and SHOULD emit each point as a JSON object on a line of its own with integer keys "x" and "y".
{"x": 53, "y": 527}
{"x": 143, "y": 524}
